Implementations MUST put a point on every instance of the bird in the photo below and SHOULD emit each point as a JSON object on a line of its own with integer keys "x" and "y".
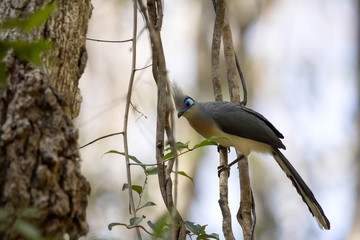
{"x": 247, "y": 131}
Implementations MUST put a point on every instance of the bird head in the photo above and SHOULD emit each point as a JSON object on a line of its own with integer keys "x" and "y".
{"x": 183, "y": 102}
{"x": 188, "y": 103}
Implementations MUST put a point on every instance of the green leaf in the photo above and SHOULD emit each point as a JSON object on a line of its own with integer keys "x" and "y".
{"x": 180, "y": 146}
{"x": 207, "y": 236}
{"x": 130, "y": 157}
{"x": 182, "y": 173}
{"x": 161, "y": 227}
{"x": 39, "y": 17}
{"x": 168, "y": 156}
{"x": 136, "y": 220}
{"x": 152, "y": 171}
{"x": 28, "y": 51}
{"x": 111, "y": 225}
{"x": 209, "y": 141}
{"x": 36, "y": 19}
{"x": 204, "y": 143}
{"x": 167, "y": 149}
{"x": 29, "y": 212}
{"x": 148, "y": 204}
{"x": 136, "y": 188}
{"x": 27, "y": 229}
{"x": 194, "y": 228}
{"x": 13, "y": 23}
{"x": 151, "y": 225}
{"x": 199, "y": 231}
{"x": 3, "y": 213}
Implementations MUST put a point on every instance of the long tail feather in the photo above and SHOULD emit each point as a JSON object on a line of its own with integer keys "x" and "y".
{"x": 304, "y": 191}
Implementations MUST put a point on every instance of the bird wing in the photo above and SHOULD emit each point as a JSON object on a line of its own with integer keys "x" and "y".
{"x": 243, "y": 122}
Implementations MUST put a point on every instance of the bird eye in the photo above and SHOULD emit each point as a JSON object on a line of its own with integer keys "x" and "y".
{"x": 188, "y": 102}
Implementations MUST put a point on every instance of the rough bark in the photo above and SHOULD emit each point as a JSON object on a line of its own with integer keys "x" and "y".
{"x": 39, "y": 159}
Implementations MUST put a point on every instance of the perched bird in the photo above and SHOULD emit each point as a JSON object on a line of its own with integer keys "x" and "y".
{"x": 248, "y": 131}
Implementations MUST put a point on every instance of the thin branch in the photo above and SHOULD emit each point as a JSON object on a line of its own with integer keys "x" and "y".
{"x": 223, "y": 200}
{"x": 139, "y": 69}
{"x": 126, "y": 115}
{"x": 153, "y": 19}
{"x": 242, "y": 78}
{"x": 161, "y": 105}
{"x": 243, "y": 83}
{"x": 253, "y": 212}
{"x": 110, "y": 41}
{"x": 219, "y": 7}
{"x": 171, "y": 139}
{"x": 138, "y": 226}
{"x": 233, "y": 74}
{"x": 229, "y": 53}
{"x": 244, "y": 213}
{"x": 166, "y": 160}
{"x": 136, "y": 110}
{"x": 97, "y": 139}
{"x": 215, "y": 49}
{"x": 143, "y": 189}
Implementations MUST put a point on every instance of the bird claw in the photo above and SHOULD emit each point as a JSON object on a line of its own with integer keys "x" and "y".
{"x": 228, "y": 166}
{"x": 223, "y": 168}
{"x": 219, "y": 148}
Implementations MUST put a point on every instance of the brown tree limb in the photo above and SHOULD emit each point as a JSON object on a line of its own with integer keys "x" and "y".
{"x": 215, "y": 62}
{"x": 244, "y": 215}
{"x": 234, "y": 74}
{"x": 224, "y": 200}
{"x": 233, "y": 77}
{"x": 215, "y": 49}
{"x": 153, "y": 19}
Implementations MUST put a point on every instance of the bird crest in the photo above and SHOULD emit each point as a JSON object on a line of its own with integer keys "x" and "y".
{"x": 178, "y": 95}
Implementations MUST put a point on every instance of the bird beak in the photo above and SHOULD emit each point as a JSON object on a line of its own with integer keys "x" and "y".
{"x": 181, "y": 112}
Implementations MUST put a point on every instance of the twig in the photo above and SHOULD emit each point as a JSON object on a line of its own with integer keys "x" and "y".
{"x": 215, "y": 49}
{"x": 243, "y": 83}
{"x": 139, "y": 69}
{"x": 253, "y": 212}
{"x": 126, "y": 115}
{"x": 161, "y": 105}
{"x": 233, "y": 74}
{"x": 110, "y": 41}
{"x": 229, "y": 52}
{"x": 219, "y": 7}
{"x": 143, "y": 190}
{"x": 97, "y": 139}
{"x": 153, "y": 21}
{"x": 244, "y": 214}
{"x": 223, "y": 200}
{"x": 138, "y": 226}
{"x": 136, "y": 110}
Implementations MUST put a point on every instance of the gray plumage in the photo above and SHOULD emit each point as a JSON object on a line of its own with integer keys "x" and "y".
{"x": 243, "y": 122}
{"x": 248, "y": 131}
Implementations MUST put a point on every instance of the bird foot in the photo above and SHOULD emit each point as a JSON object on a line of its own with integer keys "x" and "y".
{"x": 219, "y": 148}
{"x": 227, "y": 167}
{"x": 224, "y": 168}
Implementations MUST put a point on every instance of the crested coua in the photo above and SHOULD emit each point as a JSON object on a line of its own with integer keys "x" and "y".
{"x": 248, "y": 131}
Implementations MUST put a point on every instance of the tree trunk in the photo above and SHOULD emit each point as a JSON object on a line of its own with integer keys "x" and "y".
{"x": 40, "y": 180}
